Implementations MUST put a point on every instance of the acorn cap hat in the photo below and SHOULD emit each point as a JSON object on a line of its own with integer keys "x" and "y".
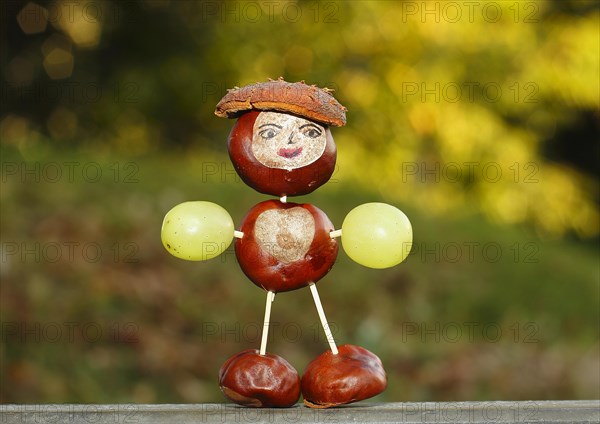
{"x": 298, "y": 98}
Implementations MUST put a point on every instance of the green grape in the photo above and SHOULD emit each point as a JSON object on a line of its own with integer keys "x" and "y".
{"x": 197, "y": 231}
{"x": 376, "y": 235}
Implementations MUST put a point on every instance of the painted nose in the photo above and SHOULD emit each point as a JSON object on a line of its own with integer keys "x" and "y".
{"x": 291, "y": 139}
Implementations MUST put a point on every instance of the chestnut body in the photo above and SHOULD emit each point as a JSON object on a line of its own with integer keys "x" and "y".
{"x": 352, "y": 375}
{"x": 277, "y": 181}
{"x": 285, "y": 246}
{"x": 251, "y": 379}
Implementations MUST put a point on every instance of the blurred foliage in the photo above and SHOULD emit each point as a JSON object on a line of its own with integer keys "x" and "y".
{"x": 496, "y": 89}
{"x": 482, "y": 126}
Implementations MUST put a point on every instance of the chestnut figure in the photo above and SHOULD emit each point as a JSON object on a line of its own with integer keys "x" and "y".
{"x": 285, "y": 246}
{"x": 281, "y": 154}
{"x": 282, "y": 145}
{"x": 251, "y": 379}
{"x": 352, "y": 375}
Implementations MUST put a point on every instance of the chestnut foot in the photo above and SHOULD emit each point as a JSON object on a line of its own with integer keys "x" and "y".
{"x": 261, "y": 381}
{"x": 353, "y": 374}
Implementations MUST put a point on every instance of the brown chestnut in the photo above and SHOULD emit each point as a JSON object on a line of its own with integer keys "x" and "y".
{"x": 285, "y": 245}
{"x": 352, "y": 375}
{"x": 262, "y": 381}
{"x": 280, "y": 153}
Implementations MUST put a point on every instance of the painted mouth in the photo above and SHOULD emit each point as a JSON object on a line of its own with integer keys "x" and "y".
{"x": 289, "y": 153}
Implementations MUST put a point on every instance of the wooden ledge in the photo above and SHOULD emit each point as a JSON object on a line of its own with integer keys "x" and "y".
{"x": 580, "y": 411}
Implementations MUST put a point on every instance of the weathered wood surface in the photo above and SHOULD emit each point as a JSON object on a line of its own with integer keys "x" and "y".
{"x": 581, "y": 411}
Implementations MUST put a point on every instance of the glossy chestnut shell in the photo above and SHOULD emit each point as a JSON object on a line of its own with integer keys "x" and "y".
{"x": 273, "y": 274}
{"x": 262, "y": 381}
{"x": 275, "y": 181}
{"x": 352, "y": 375}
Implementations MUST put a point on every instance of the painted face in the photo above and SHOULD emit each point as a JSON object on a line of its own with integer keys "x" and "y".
{"x": 284, "y": 141}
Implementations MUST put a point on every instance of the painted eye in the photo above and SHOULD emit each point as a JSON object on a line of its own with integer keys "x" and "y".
{"x": 312, "y": 132}
{"x": 268, "y": 133}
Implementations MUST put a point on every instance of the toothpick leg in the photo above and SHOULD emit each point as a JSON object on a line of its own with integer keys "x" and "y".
{"x": 321, "y": 312}
{"x": 265, "y": 333}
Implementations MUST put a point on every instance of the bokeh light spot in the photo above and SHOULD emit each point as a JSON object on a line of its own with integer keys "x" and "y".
{"x": 59, "y": 63}
{"x": 19, "y": 71}
{"x": 33, "y": 18}
{"x": 80, "y": 21}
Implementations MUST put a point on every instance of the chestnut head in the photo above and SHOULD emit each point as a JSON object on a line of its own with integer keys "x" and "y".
{"x": 281, "y": 154}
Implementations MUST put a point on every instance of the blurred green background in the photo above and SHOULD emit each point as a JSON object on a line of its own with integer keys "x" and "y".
{"x": 479, "y": 119}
